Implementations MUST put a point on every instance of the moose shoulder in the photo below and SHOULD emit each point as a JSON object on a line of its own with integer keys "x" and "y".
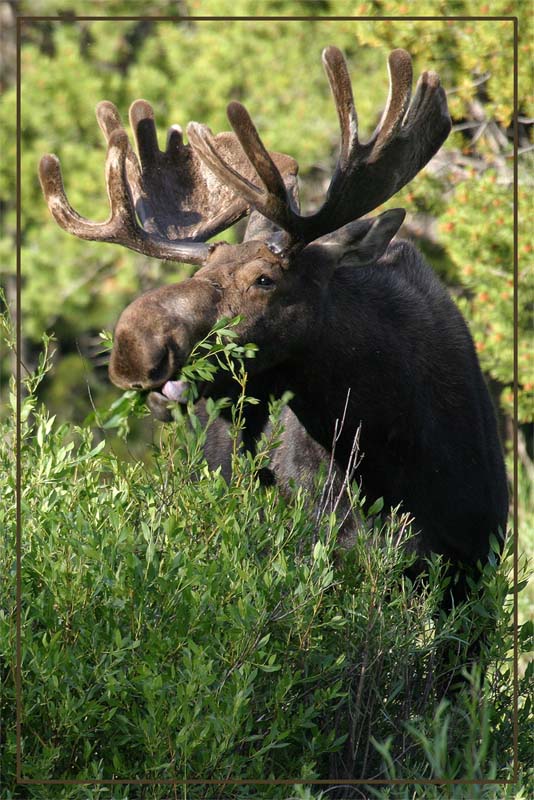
{"x": 354, "y": 325}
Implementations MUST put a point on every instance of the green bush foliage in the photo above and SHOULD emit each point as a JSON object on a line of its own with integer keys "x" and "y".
{"x": 159, "y": 641}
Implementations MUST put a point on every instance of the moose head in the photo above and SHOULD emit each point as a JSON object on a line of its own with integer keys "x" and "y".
{"x": 278, "y": 278}
{"x": 355, "y": 326}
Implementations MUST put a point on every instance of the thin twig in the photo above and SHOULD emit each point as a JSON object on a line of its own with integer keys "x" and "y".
{"x": 483, "y": 78}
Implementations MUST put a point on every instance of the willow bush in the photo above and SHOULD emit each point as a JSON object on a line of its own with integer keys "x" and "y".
{"x": 178, "y": 627}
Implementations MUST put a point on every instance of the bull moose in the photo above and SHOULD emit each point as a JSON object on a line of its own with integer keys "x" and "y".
{"x": 353, "y": 324}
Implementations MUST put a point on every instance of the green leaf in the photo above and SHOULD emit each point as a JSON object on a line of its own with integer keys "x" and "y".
{"x": 376, "y": 507}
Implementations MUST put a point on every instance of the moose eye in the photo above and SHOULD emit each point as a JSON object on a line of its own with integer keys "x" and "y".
{"x": 264, "y": 281}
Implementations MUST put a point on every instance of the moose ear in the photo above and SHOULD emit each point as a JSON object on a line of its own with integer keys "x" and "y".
{"x": 363, "y": 241}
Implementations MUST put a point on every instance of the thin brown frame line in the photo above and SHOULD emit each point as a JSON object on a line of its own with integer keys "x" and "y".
{"x": 20, "y": 19}
{"x": 516, "y": 401}
{"x": 263, "y": 782}
{"x": 18, "y": 438}
{"x": 264, "y": 18}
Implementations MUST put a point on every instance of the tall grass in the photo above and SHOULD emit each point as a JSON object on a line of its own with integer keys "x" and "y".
{"x": 176, "y": 627}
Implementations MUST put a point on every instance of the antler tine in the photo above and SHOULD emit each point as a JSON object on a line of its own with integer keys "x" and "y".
{"x": 271, "y": 199}
{"x": 122, "y": 220}
{"x": 400, "y": 90}
{"x": 278, "y": 204}
{"x": 204, "y": 143}
{"x": 120, "y": 201}
{"x": 260, "y": 227}
{"x": 141, "y": 115}
{"x": 256, "y": 153}
{"x": 430, "y": 102}
{"x": 340, "y": 84}
{"x": 108, "y": 118}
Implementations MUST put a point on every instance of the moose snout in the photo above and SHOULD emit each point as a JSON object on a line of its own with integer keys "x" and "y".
{"x": 148, "y": 349}
{"x": 155, "y": 334}
{"x": 143, "y": 365}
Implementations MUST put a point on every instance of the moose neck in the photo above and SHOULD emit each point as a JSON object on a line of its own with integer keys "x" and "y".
{"x": 334, "y": 380}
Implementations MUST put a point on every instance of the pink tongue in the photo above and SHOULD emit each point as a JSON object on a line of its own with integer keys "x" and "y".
{"x": 174, "y": 390}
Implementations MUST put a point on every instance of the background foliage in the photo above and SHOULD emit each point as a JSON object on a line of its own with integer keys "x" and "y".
{"x": 460, "y": 210}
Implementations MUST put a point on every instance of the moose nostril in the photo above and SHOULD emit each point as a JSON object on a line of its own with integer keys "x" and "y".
{"x": 160, "y": 370}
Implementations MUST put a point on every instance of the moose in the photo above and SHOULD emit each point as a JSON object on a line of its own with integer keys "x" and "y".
{"x": 348, "y": 319}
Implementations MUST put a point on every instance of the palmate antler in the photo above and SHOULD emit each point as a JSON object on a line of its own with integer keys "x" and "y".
{"x": 366, "y": 175}
{"x": 167, "y": 204}
{"x": 164, "y": 204}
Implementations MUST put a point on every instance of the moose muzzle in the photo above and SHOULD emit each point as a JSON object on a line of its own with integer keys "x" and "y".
{"x": 154, "y": 337}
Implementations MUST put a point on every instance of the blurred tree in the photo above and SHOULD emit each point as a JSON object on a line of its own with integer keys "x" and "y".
{"x": 484, "y": 258}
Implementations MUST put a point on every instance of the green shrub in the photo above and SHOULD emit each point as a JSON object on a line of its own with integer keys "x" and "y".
{"x": 177, "y": 627}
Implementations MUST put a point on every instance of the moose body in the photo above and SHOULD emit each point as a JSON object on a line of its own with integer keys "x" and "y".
{"x": 356, "y": 326}
{"x": 383, "y": 348}
{"x": 394, "y": 347}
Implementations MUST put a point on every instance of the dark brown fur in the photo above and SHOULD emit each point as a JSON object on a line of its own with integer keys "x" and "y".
{"x": 384, "y": 340}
